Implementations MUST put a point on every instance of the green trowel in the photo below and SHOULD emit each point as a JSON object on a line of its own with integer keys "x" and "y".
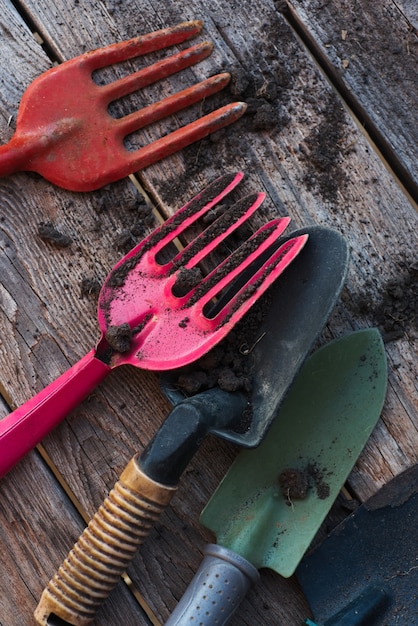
{"x": 273, "y": 500}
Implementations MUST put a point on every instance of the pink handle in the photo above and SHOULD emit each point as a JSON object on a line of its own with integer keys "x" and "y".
{"x": 24, "y": 428}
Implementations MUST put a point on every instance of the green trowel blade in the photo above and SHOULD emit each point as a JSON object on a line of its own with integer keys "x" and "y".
{"x": 274, "y": 498}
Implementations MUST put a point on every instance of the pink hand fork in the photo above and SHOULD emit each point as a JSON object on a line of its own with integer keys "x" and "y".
{"x": 146, "y": 322}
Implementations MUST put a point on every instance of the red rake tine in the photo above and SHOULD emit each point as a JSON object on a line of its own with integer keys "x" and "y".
{"x": 141, "y": 45}
{"x": 155, "y": 72}
{"x": 170, "y": 105}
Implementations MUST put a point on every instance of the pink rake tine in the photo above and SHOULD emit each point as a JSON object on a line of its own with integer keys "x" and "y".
{"x": 170, "y": 105}
{"x": 180, "y": 222}
{"x": 155, "y": 72}
{"x": 222, "y": 227}
{"x": 143, "y": 44}
{"x": 259, "y": 281}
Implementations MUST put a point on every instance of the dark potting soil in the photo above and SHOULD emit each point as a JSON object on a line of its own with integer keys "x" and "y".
{"x": 47, "y": 232}
{"x": 396, "y": 312}
{"x": 295, "y": 483}
{"x": 119, "y": 337}
{"x": 229, "y": 365}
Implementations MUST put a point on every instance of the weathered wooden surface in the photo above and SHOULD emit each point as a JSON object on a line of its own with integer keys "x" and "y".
{"x": 314, "y": 164}
{"x": 371, "y": 50}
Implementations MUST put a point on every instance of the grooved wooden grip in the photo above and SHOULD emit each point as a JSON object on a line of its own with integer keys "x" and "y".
{"x": 105, "y": 549}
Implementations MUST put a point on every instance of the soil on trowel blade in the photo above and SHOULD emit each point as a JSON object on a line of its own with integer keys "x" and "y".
{"x": 295, "y": 483}
{"x": 229, "y": 365}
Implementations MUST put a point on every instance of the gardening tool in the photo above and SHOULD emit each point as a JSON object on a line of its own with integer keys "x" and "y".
{"x": 298, "y": 306}
{"x": 64, "y": 130}
{"x": 145, "y": 318}
{"x": 366, "y": 572}
{"x": 273, "y": 500}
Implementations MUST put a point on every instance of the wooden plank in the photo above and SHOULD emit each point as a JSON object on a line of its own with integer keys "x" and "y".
{"x": 340, "y": 182}
{"x": 409, "y": 9}
{"x": 371, "y": 52}
{"x": 35, "y": 512}
{"x": 38, "y": 523}
{"x": 93, "y": 446}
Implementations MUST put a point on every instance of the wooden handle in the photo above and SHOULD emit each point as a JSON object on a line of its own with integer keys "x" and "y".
{"x": 104, "y": 550}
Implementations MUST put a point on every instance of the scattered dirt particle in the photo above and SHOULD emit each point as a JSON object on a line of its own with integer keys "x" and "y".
{"x": 119, "y": 337}
{"x": 395, "y": 313}
{"x": 317, "y": 476}
{"x": 89, "y": 287}
{"x": 47, "y": 232}
{"x": 322, "y": 150}
{"x": 294, "y": 483}
{"x": 183, "y": 323}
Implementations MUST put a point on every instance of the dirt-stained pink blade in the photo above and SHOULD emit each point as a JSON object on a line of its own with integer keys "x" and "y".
{"x": 173, "y": 228}
{"x": 192, "y": 333}
{"x": 260, "y": 281}
{"x": 217, "y": 232}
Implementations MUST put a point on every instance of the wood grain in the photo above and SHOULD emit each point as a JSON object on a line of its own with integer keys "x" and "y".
{"x": 371, "y": 50}
{"x": 313, "y": 162}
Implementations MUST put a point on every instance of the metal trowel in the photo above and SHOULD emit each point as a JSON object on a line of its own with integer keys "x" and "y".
{"x": 273, "y": 500}
{"x": 366, "y": 572}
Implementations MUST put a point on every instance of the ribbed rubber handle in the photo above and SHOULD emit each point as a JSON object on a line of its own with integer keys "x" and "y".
{"x": 104, "y": 550}
{"x": 217, "y": 589}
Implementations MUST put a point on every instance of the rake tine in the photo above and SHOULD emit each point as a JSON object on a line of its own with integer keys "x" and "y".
{"x": 239, "y": 261}
{"x": 170, "y": 105}
{"x": 218, "y": 231}
{"x": 183, "y": 218}
{"x": 144, "y": 44}
{"x": 155, "y": 72}
{"x": 182, "y": 137}
{"x": 261, "y": 281}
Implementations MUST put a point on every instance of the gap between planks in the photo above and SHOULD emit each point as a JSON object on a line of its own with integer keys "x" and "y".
{"x": 356, "y": 110}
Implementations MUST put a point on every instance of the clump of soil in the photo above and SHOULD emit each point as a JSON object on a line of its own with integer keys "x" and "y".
{"x": 47, "y": 232}
{"x": 223, "y": 366}
{"x": 295, "y": 482}
{"x": 89, "y": 287}
{"x": 229, "y": 364}
{"x": 396, "y": 314}
{"x": 322, "y": 150}
{"x": 119, "y": 337}
{"x": 316, "y": 474}
{"x": 186, "y": 280}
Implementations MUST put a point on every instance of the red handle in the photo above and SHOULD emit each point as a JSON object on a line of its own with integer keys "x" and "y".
{"x": 20, "y": 153}
{"x": 21, "y": 430}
